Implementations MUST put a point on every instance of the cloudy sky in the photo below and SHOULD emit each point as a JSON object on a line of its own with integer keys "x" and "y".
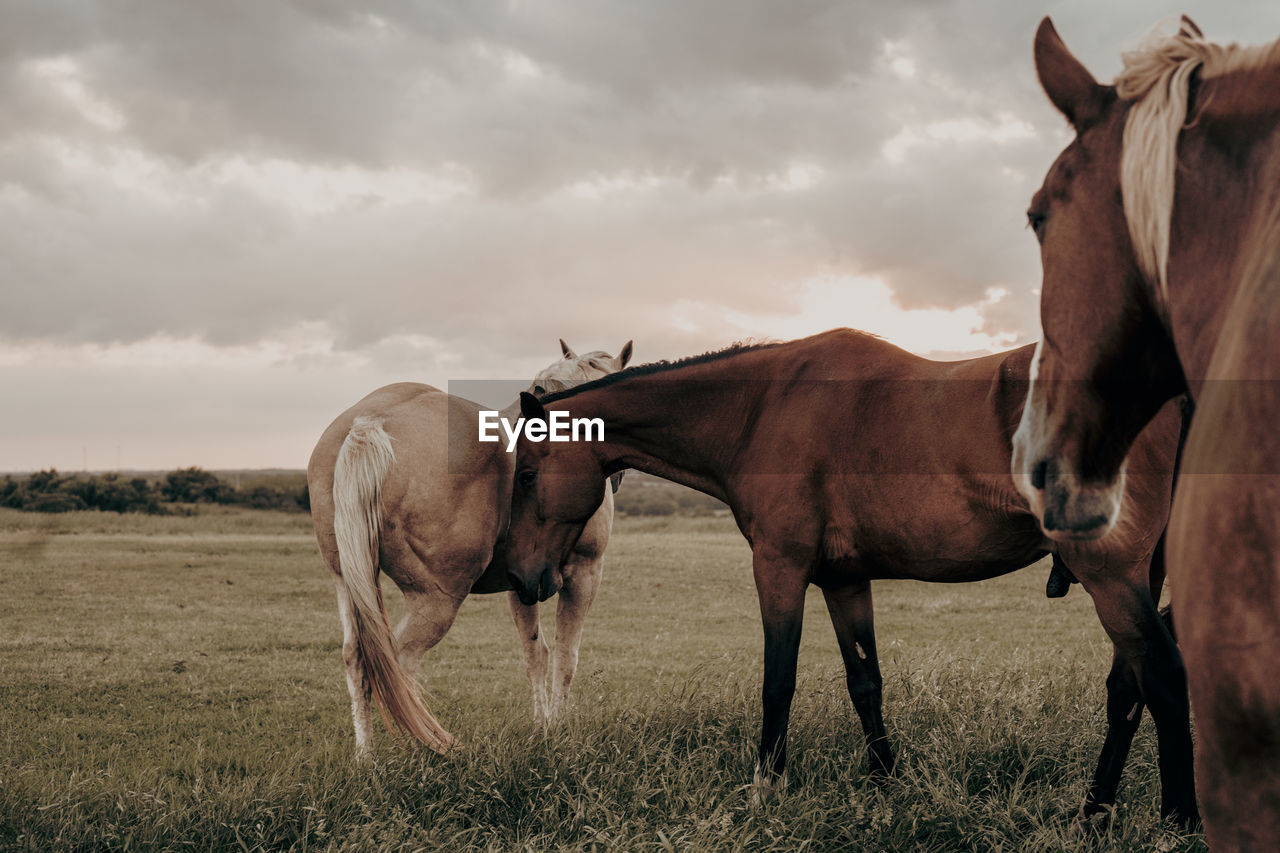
{"x": 222, "y": 223}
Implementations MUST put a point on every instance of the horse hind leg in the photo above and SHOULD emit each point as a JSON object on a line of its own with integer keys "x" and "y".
{"x": 427, "y": 618}
{"x": 357, "y": 682}
{"x": 582, "y": 581}
{"x": 851, "y": 616}
{"x": 536, "y": 654}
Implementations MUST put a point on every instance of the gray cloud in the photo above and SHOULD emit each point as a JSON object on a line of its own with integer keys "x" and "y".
{"x": 522, "y": 171}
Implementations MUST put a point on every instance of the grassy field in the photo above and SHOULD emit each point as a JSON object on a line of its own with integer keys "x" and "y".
{"x": 176, "y": 683}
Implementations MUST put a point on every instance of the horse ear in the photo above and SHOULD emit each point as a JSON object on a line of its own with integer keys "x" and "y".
{"x": 1065, "y": 80}
{"x": 1190, "y": 29}
{"x": 564, "y": 348}
{"x": 625, "y": 355}
{"x": 531, "y": 407}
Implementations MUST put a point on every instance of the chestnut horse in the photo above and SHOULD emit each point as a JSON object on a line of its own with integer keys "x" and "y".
{"x": 846, "y": 460}
{"x": 399, "y": 484}
{"x": 1159, "y": 228}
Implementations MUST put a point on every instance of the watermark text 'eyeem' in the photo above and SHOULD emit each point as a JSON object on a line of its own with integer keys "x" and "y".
{"x": 559, "y": 426}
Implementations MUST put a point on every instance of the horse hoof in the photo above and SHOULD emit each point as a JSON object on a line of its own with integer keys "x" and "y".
{"x": 1094, "y": 819}
{"x": 766, "y": 788}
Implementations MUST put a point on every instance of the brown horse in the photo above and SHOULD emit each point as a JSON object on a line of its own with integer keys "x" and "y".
{"x": 845, "y": 460}
{"x": 1160, "y": 241}
{"x": 400, "y": 484}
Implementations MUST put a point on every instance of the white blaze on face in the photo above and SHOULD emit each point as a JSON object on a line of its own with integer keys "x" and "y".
{"x": 1024, "y": 453}
{"x": 1083, "y": 502}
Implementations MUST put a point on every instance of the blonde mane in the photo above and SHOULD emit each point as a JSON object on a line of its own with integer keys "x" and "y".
{"x": 1157, "y": 76}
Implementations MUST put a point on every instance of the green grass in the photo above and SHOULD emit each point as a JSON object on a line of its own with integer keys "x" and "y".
{"x": 176, "y": 683}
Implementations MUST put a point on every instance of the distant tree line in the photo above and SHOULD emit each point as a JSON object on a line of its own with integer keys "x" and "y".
{"x": 180, "y": 491}
{"x": 49, "y": 491}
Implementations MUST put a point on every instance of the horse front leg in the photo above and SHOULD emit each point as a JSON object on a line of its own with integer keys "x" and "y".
{"x": 1124, "y": 709}
{"x": 1144, "y": 643}
{"x": 851, "y": 616}
{"x": 534, "y": 646}
{"x": 780, "y": 586}
{"x": 1124, "y": 712}
{"x": 582, "y": 581}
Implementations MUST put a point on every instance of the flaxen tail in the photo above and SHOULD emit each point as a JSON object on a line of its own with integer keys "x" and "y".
{"x": 363, "y": 462}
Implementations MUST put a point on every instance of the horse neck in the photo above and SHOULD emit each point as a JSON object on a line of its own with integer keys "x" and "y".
{"x": 681, "y": 425}
{"x": 1223, "y": 218}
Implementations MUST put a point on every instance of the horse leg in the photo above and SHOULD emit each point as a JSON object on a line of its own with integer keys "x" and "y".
{"x": 357, "y": 683}
{"x": 582, "y": 581}
{"x": 529, "y": 629}
{"x": 851, "y": 616}
{"x": 1124, "y": 703}
{"x": 1124, "y": 712}
{"x": 427, "y": 618}
{"x": 780, "y": 586}
{"x": 1129, "y": 616}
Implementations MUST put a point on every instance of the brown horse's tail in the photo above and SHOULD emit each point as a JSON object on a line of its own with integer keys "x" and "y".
{"x": 363, "y": 462}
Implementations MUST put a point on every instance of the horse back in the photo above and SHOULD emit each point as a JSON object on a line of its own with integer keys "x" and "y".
{"x": 891, "y": 464}
{"x": 902, "y": 414}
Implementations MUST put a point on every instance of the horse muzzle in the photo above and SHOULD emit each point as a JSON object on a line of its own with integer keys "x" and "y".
{"x": 1071, "y": 511}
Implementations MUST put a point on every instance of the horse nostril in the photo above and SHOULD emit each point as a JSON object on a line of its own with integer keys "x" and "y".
{"x": 1040, "y": 474}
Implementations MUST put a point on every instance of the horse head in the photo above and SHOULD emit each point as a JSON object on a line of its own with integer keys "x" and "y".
{"x": 575, "y": 369}
{"x": 558, "y": 487}
{"x": 1105, "y": 364}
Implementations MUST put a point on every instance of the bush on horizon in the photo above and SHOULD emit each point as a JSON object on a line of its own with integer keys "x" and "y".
{"x": 50, "y": 491}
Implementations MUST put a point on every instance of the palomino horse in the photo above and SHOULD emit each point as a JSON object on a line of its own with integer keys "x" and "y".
{"x": 399, "y": 484}
{"x": 845, "y": 460}
{"x": 1160, "y": 241}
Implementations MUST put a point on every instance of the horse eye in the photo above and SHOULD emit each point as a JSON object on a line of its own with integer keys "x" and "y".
{"x": 539, "y": 390}
{"x": 526, "y": 477}
{"x": 1036, "y": 220}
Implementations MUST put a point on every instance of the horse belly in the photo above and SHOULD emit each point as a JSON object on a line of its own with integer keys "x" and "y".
{"x": 957, "y": 559}
{"x": 932, "y": 532}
